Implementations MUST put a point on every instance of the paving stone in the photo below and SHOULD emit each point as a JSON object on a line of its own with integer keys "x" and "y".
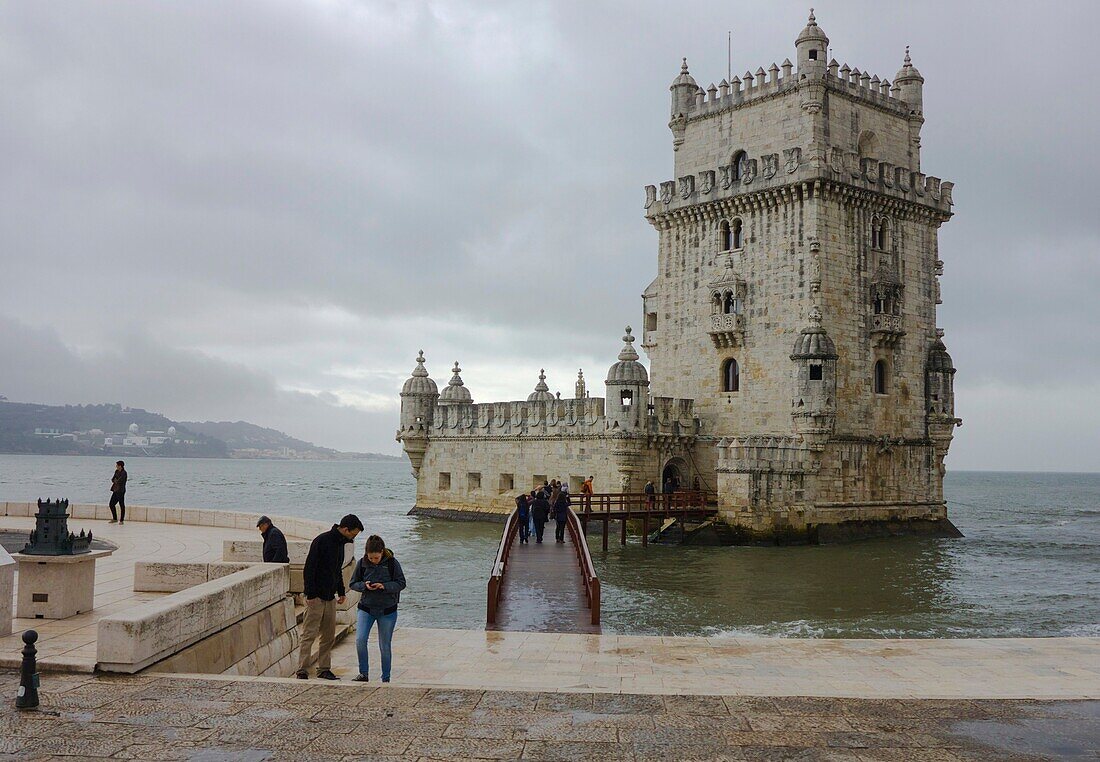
{"x": 581, "y": 752}
{"x": 695, "y": 705}
{"x": 465, "y": 748}
{"x": 559, "y": 702}
{"x": 626, "y": 703}
{"x": 452, "y": 699}
{"x": 498, "y": 732}
{"x": 508, "y": 700}
{"x": 361, "y": 744}
{"x": 568, "y": 733}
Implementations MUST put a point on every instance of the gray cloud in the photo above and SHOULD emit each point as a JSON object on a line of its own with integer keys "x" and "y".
{"x": 276, "y": 204}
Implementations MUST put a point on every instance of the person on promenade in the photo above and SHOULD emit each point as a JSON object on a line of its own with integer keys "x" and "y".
{"x": 560, "y": 503}
{"x": 650, "y": 493}
{"x": 323, "y": 580}
{"x": 118, "y": 494}
{"x": 545, "y": 489}
{"x": 380, "y": 579}
{"x": 275, "y": 551}
{"x": 540, "y": 513}
{"x": 523, "y": 517}
{"x": 587, "y": 491}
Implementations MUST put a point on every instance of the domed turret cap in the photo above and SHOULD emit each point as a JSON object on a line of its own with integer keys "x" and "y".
{"x": 813, "y": 343}
{"x": 456, "y": 392}
{"x": 907, "y": 71}
{"x": 542, "y": 391}
{"x": 812, "y": 32}
{"x": 685, "y": 77}
{"x": 938, "y": 359}
{"x": 628, "y": 370}
{"x": 419, "y": 383}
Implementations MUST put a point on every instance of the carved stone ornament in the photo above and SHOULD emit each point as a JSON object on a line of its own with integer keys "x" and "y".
{"x": 687, "y": 186}
{"x": 792, "y": 157}
{"x": 667, "y": 189}
{"x": 650, "y": 195}
{"x": 727, "y": 176}
{"x": 748, "y": 171}
{"x": 706, "y": 181}
{"x": 771, "y": 165}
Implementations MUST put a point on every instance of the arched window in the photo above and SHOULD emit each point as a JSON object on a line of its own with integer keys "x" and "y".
{"x": 738, "y": 164}
{"x": 724, "y": 238}
{"x": 731, "y": 376}
{"x": 626, "y": 398}
{"x": 879, "y": 226}
{"x": 731, "y": 305}
{"x": 880, "y": 377}
{"x": 716, "y": 302}
{"x": 736, "y": 235}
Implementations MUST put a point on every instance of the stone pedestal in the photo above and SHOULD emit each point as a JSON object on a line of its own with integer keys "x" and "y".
{"x": 7, "y": 590}
{"x": 56, "y": 587}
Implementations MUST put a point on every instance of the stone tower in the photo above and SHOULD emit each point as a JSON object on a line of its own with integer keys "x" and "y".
{"x": 796, "y": 292}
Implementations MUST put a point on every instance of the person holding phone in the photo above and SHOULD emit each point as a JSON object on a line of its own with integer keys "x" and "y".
{"x": 379, "y": 579}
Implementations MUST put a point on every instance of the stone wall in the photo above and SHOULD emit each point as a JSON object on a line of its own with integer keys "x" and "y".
{"x": 7, "y": 591}
{"x": 136, "y": 638}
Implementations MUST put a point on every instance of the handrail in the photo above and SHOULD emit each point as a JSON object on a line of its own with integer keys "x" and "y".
{"x": 640, "y": 501}
{"x": 588, "y": 570}
{"x": 496, "y": 576}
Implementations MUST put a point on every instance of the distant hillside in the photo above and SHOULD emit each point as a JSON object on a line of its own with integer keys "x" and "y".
{"x": 115, "y": 429}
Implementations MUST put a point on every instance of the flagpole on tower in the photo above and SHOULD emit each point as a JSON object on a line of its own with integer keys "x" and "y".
{"x": 729, "y": 56}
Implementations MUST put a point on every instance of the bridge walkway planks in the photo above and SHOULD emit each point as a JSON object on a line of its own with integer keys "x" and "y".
{"x": 543, "y": 590}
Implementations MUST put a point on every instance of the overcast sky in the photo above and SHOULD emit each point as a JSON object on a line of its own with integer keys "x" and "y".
{"x": 262, "y": 210}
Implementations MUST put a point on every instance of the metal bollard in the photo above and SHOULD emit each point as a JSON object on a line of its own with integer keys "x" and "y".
{"x": 27, "y": 698}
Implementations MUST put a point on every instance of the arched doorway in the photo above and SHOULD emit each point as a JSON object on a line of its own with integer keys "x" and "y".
{"x": 674, "y": 476}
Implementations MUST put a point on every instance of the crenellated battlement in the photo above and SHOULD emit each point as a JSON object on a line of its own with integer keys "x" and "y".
{"x": 773, "y": 171}
{"x": 738, "y": 92}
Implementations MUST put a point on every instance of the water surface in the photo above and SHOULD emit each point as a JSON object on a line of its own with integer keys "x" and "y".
{"x": 1029, "y": 564}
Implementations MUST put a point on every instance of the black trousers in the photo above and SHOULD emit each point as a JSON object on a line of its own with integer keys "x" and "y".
{"x": 538, "y": 531}
{"x": 559, "y": 531}
{"x": 119, "y": 499}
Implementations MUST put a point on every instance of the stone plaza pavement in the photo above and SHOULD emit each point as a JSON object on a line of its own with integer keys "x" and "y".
{"x": 1065, "y": 668}
{"x": 256, "y": 719}
{"x": 71, "y": 643}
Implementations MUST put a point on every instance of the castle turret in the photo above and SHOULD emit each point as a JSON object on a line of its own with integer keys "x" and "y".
{"x": 813, "y": 406}
{"x": 542, "y": 391}
{"x": 456, "y": 392}
{"x": 581, "y": 391}
{"x": 683, "y": 90}
{"x": 627, "y": 389}
{"x": 910, "y": 87}
{"x": 418, "y": 399}
{"x": 812, "y": 46}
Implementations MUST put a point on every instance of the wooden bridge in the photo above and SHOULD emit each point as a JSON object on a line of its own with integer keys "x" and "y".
{"x": 553, "y": 587}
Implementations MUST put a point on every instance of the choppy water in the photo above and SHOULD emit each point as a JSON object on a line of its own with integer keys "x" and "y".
{"x": 1028, "y": 566}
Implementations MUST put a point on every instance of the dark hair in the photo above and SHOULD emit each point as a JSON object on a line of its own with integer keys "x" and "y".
{"x": 351, "y": 521}
{"x": 375, "y": 544}
{"x": 120, "y": 463}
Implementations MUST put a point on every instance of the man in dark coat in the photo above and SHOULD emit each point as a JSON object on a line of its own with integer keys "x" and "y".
{"x": 118, "y": 493}
{"x": 323, "y": 579}
{"x": 540, "y": 512}
{"x": 523, "y": 515}
{"x": 274, "y": 542}
{"x": 559, "y": 503}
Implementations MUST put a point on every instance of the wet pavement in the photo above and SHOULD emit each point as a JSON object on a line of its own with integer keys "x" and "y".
{"x": 180, "y": 718}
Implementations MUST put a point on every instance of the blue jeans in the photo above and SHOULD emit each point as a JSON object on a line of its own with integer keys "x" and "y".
{"x": 525, "y": 530}
{"x": 386, "y": 625}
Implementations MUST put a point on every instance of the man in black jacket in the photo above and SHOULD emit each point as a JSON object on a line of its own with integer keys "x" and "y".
{"x": 275, "y": 551}
{"x": 540, "y": 512}
{"x": 323, "y": 579}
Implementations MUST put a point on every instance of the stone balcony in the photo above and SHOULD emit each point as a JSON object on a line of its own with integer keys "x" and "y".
{"x": 886, "y": 329}
{"x": 727, "y": 330}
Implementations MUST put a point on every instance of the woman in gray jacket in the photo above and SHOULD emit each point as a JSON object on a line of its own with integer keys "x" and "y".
{"x": 380, "y": 580}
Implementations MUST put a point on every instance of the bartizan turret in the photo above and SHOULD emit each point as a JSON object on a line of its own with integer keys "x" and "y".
{"x": 910, "y": 89}
{"x": 939, "y": 398}
{"x": 627, "y": 389}
{"x": 418, "y": 400}
{"x": 456, "y": 392}
{"x": 813, "y": 406}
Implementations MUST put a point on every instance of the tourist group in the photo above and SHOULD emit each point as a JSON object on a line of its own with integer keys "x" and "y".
{"x": 535, "y": 509}
{"x": 378, "y": 578}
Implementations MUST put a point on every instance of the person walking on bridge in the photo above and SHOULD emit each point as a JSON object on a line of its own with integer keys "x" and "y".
{"x": 523, "y": 516}
{"x": 540, "y": 514}
{"x": 560, "y": 502}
